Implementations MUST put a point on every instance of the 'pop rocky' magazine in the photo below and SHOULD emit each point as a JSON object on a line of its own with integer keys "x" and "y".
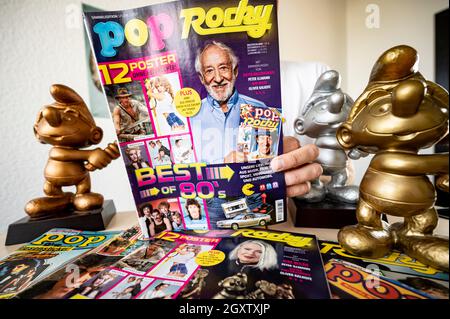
{"x": 52, "y": 250}
{"x": 215, "y": 264}
{"x": 194, "y": 93}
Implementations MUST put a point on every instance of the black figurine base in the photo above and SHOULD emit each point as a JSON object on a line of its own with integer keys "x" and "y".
{"x": 325, "y": 214}
{"x": 27, "y": 229}
{"x": 443, "y": 212}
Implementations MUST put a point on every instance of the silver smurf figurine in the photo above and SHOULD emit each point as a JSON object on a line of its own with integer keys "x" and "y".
{"x": 323, "y": 113}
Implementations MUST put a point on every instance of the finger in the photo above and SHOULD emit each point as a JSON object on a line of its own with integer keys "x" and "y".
{"x": 290, "y": 143}
{"x": 296, "y": 158}
{"x": 298, "y": 190}
{"x": 303, "y": 174}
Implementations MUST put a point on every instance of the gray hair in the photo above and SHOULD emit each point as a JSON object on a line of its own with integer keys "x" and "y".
{"x": 268, "y": 259}
{"x": 234, "y": 59}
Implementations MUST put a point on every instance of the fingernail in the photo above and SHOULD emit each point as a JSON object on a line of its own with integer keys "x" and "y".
{"x": 277, "y": 164}
{"x": 315, "y": 150}
{"x": 320, "y": 170}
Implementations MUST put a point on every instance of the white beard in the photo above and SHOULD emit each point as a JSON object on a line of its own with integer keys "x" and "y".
{"x": 222, "y": 97}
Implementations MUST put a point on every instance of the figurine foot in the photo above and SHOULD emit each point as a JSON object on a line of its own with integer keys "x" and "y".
{"x": 429, "y": 250}
{"x": 366, "y": 242}
{"x": 315, "y": 195}
{"x": 46, "y": 206}
{"x": 346, "y": 194}
{"x": 88, "y": 201}
{"x": 418, "y": 225}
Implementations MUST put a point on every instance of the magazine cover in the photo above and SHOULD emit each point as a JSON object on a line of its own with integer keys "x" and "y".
{"x": 35, "y": 260}
{"x": 395, "y": 266}
{"x": 394, "y": 262}
{"x": 349, "y": 281}
{"x": 68, "y": 279}
{"x": 193, "y": 89}
{"x": 216, "y": 264}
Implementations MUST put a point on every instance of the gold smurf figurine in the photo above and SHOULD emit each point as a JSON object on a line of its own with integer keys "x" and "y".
{"x": 398, "y": 114}
{"x": 68, "y": 125}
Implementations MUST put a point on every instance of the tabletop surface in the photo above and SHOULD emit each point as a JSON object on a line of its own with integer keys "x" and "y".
{"x": 124, "y": 220}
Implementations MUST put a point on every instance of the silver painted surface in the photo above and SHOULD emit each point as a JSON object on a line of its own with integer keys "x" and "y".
{"x": 323, "y": 113}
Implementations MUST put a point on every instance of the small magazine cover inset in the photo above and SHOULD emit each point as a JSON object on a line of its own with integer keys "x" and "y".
{"x": 259, "y": 132}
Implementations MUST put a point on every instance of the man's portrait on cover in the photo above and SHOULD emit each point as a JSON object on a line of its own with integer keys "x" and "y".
{"x": 215, "y": 126}
{"x": 263, "y": 145}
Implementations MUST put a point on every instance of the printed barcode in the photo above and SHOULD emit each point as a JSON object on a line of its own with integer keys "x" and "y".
{"x": 279, "y": 210}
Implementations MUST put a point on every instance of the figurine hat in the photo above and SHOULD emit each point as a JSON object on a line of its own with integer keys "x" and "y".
{"x": 328, "y": 81}
{"x": 66, "y": 97}
{"x": 122, "y": 92}
{"x": 395, "y": 64}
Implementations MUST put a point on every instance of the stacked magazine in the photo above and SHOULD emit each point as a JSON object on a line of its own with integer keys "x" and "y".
{"x": 395, "y": 276}
{"x": 215, "y": 264}
{"x": 55, "y": 249}
{"x": 247, "y": 263}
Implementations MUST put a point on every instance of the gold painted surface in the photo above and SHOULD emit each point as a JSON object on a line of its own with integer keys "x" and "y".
{"x": 397, "y": 114}
{"x": 68, "y": 126}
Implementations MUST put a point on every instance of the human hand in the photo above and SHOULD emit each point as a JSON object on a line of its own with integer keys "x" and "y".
{"x": 297, "y": 163}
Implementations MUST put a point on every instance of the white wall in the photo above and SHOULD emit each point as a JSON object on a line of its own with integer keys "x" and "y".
{"x": 409, "y": 22}
{"x": 42, "y": 45}
{"x": 313, "y": 31}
